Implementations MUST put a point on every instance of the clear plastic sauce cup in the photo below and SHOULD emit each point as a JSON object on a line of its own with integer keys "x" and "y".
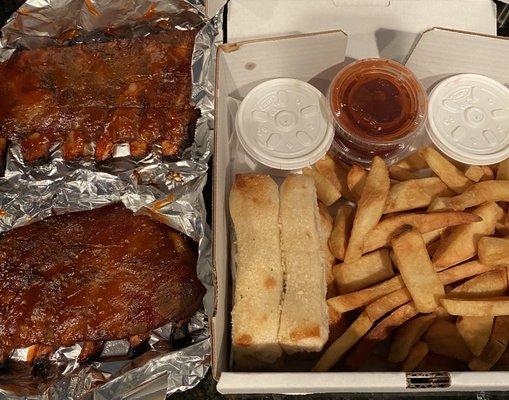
{"x": 379, "y": 108}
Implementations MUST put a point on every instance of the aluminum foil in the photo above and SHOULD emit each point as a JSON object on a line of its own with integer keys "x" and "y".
{"x": 171, "y": 192}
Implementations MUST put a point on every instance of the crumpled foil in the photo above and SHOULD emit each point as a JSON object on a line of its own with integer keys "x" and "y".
{"x": 178, "y": 357}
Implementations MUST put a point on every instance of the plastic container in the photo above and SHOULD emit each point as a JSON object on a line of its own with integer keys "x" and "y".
{"x": 468, "y": 119}
{"x": 284, "y": 124}
{"x": 378, "y": 108}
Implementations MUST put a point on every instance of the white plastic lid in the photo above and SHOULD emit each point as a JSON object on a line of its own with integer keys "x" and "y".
{"x": 285, "y": 124}
{"x": 468, "y": 119}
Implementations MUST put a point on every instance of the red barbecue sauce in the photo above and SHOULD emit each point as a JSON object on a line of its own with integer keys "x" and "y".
{"x": 376, "y": 105}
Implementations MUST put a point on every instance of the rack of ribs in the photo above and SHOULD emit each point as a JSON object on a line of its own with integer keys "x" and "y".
{"x": 93, "y": 276}
{"x": 135, "y": 91}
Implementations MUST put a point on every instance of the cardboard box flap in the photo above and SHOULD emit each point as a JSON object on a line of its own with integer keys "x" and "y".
{"x": 300, "y": 383}
{"x": 213, "y": 6}
{"x": 375, "y": 28}
{"x": 314, "y": 57}
{"x": 440, "y": 53}
{"x": 308, "y": 57}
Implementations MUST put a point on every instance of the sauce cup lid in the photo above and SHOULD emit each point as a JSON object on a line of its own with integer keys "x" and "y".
{"x": 285, "y": 124}
{"x": 468, "y": 119}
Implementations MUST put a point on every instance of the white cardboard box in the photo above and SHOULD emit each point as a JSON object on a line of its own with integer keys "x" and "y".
{"x": 316, "y": 58}
{"x": 375, "y": 28}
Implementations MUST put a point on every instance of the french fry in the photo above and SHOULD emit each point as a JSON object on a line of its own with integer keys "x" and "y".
{"x": 494, "y": 251}
{"x": 503, "y": 170}
{"x": 495, "y": 347}
{"x": 341, "y": 231}
{"x": 480, "y": 193}
{"x": 439, "y": 204}
{"x": 335, "y": 173}
{"x": 324, "y": 231}
{"x": 502, "y": 227}
{"x": 326, "y": 192}
{"x": 503, "y": 362}
{"x": 369, "y": 269}
{"x": 337, "y": 325}
{"x": 417, "y": 354}
{"x": 475, "y": 331}
{"x": 415, "y": 193}
{"x": 385, "y": 230}
{"x": 417, "y": 271}
{"x": 478, "y": 307}
{"x": 488, "y": 173}
{"x": 443, "y": 338}
{"x": 474, "y": 173}
{"x": 463, "y": 271}
{"x": 351, "y": 301}
{"x": 335, "y": 351}
{"x": 461, "y": 243}
{"x": 402, "y": 174}
{"x": 430, "y": 237}
{"x": 369, "y": 209}
{"x": 413, "y": 162}
{"x": 445, "y": 170}
{"x": 432, "y": 247}
{"x": 379, "y": 333}
{"x": 356, "y": 179}
{"x": 478, "y": 173}
{"x": 407, "y": 336}
{"x": 489, "y": 284}
{"x": 386, "y": 304}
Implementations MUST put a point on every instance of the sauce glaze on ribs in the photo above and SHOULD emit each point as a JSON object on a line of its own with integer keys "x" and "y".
{"x": 95, "y": 275}
{"x": 134, "y": 91}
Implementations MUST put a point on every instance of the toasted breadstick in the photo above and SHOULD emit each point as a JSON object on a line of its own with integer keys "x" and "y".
{"x": 324, "y": 231}
{"x": 304, "y": 324}
{"x": 254, "y": 207}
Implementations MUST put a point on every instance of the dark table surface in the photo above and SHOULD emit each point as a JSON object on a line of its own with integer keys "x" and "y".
{"x": 207, "y": 388}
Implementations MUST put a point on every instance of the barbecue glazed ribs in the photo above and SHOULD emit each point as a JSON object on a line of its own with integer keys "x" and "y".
{"x": 91, "y": 276}
{"x": 134, "y": 91}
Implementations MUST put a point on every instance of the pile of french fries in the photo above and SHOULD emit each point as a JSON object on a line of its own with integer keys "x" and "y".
{"x": 422, "y": 254}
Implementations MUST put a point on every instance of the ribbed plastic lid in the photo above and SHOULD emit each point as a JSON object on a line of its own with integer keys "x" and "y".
{"x": 285, "y": 124}
{"x": 468, "y": 119}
